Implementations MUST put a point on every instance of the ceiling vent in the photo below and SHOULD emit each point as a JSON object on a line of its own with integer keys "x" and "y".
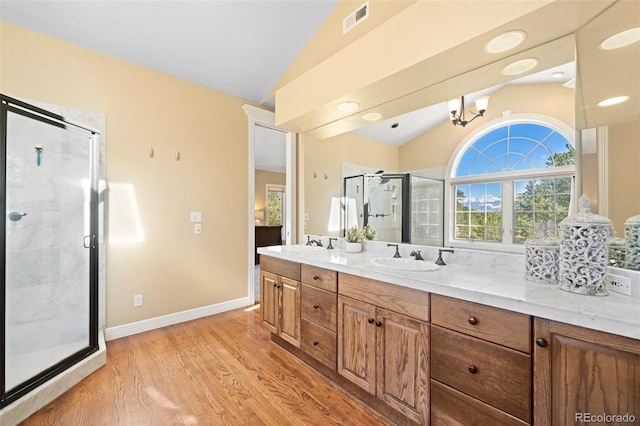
{"x": 355, "y": 17}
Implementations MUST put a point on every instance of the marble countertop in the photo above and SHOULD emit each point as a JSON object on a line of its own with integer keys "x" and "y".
{"x": 616, "y": 313}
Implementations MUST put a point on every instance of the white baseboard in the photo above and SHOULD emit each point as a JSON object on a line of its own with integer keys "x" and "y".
{"x": 116, "y": 332}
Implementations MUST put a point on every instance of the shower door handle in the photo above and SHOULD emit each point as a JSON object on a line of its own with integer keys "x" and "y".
{"x": 89, "y": 241}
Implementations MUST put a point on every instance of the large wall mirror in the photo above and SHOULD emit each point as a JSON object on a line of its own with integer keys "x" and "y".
{"x": 572, "y": 76}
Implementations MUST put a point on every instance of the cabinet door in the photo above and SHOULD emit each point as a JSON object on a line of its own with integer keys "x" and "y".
{"x": 290, "y": 311}
{"x": 269, "y": 304}
{"x": 357, "y": 342}
{"x": 403, "y": 364}
{"x": 580, "y": 373}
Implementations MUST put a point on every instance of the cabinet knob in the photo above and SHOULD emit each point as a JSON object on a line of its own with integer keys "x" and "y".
{"x": 275, "y": 285}
{"x": 541, "y": 342}
{"x": 315, "y": 277}
{"x": 316, "y": 306}
{"x": 473, "y": 320}
{"x": 370, "y": 320}
{"x": 473, "y": 369}
{"x": 315, "y": 343}
{"x": 378, "y": 323}
{"x": 278, "y": 286}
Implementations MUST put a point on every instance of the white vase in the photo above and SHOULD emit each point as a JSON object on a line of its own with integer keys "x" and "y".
{"x": 354, "y": 247}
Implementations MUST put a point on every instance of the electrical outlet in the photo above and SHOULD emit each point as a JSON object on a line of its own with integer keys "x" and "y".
{"x": 619, "y": 284}
{"x": 197, "y": 228}
{"x": 137, "y": 300}
{"x": 195, "y": 217}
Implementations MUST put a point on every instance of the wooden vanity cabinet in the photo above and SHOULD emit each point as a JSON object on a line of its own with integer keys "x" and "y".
{"x": 580, "y": 372}
{"x": 481, "y": 360}
{"x": 319, "y": 314}
{"x": 383, "y": 343}
{"x": 280, "y": 294}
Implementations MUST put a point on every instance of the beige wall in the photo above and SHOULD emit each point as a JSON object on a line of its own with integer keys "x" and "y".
{"x": 624, "y": 173}
{"x": 174, "y": 269}
{"x": 262, "y": 178}
{"x": 325, "y": 157}
{"x": 435, "y": 147}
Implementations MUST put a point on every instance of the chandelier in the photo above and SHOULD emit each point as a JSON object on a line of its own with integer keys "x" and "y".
{"x": 457, "y": 112}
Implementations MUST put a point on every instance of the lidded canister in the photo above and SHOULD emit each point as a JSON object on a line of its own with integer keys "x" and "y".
{"x": 617, "y": 250}
{"x": 632, "y": 237}
{"x": 584, "y": 251}
{"x": 542, "y": 255}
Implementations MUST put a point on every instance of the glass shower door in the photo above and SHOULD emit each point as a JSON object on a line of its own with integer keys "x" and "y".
{"x": 49, "y": 286}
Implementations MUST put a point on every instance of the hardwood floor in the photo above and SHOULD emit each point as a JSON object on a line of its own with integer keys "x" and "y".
{"x": 219, "y": 370}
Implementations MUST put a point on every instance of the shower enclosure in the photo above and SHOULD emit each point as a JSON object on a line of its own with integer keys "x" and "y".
{"x": 49, "y": 287}
{"x": 401, "y": 207}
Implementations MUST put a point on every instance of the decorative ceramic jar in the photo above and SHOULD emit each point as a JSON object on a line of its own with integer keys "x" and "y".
{"x": 632, "y": 237}
{"x": 584, "y": 251}
{"x": 541, "y": 256}
{"x": 353, "y": 247}
{"x": 617, "y": 251}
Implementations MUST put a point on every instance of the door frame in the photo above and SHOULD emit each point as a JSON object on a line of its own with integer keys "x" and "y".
{"x": 265, "y": 118}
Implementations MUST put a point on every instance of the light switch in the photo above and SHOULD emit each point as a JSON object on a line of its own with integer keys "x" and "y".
{"x": 197, "y": 228}
{"x": 196, "y": 217}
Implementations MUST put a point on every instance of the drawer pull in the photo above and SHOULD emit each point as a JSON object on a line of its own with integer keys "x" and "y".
{"x": 473, "y": 369}
{"x": 315, "y": 343}
{"x": 316, "y": 306}
{"x": 473, "y": 320}
{"x": 378, "y": 323}
{"x": 541, "y": 342}
{"x": 370, "y": 320}
{"x": 315, "y": 277}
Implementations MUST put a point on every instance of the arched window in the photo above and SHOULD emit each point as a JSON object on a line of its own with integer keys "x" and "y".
{"x": 509, "y": 177}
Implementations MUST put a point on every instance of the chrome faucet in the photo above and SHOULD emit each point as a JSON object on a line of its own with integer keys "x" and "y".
{"x": 330, "y": 246}
{"x": 311, "y": 242}
{"x": 440, "y": 261}
{"x": 397, "y": 253}
{"x": 417, "y": 255}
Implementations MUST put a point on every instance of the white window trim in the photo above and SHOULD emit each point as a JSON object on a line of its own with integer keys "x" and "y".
{"x": 505, "y": 178}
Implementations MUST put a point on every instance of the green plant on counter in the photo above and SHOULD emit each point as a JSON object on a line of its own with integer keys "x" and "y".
{"x": 354, "y": 235}
{"x": 369, "y": 233}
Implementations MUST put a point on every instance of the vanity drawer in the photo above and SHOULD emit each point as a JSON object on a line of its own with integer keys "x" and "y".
{"x": 319, "y": 306}
{"x": 499, "y": 376}
{"x": 284, "y": 268}
{"x": 507, "y": 328}
{"x": 319, "y": 342}
{"x": 451, "y": 407}
{"x": 404, "y": 300}
{"x": 320, "y": 277}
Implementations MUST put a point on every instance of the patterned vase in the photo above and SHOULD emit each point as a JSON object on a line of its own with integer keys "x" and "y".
{"x": 584, "y": 251}
{"x": 632, "y": 237}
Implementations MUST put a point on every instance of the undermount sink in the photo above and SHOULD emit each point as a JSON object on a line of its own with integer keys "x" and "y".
{"x": 301, "y": 248}
{"x": 402, "y": 264}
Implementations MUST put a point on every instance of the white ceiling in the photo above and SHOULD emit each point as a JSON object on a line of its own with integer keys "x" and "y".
{"x": 238, "y": 47}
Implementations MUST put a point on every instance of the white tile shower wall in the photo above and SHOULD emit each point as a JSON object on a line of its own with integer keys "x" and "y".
{"x": 44, "y": 248}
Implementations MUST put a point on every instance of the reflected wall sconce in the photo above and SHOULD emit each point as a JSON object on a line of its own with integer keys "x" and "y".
{"x": 457, "y": 111}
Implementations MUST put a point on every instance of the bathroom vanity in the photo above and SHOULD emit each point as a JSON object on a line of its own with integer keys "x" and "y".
{"x": 456, "y": 345}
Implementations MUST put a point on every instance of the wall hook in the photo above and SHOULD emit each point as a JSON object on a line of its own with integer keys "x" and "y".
{"x": 315, "y": 175}
{"x": 151, "y": 152}
{"x": 177, "y": 155}
{"x": 326, "y": 177}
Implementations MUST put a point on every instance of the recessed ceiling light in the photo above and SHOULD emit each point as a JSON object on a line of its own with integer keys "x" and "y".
{"x": 505, "y": 41}
{"x": 557, "y": 74}
{"x": 613, "y": 101}
{"x": 520, "y": 67}
{"x": 621, "y": 39}
{"x": 348, "y": 106}
{"x": 372, "y": 116}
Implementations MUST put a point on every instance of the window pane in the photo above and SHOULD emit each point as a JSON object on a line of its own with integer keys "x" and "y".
{"x": 537, "y": 201}
{"x": 484, "y": 201}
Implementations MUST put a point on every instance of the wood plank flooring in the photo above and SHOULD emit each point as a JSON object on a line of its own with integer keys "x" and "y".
{"x": 219, "y": 370}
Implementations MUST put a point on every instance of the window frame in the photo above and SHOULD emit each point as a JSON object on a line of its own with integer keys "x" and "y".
{"x": 507, "y": 180}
